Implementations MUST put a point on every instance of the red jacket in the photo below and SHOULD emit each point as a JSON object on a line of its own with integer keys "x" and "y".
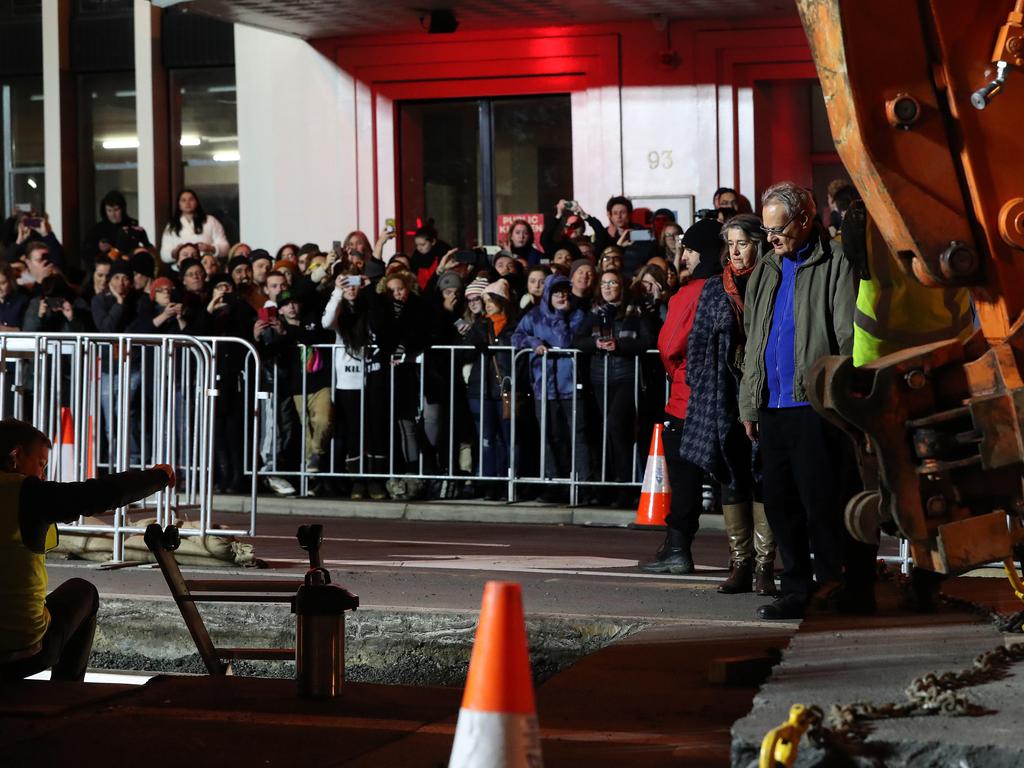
{"x": 675, "y": 333}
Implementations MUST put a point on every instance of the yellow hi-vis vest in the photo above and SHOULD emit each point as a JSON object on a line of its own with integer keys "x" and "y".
{"x": 23, "y": 615}
{"x": 895, "y": 312}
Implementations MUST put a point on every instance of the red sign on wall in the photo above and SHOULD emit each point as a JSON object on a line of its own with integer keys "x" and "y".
{"x": 535, "y": 220}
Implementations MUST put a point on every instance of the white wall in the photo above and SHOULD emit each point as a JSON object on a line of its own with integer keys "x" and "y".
{"x": 306, "y": 139}
{"x": 296, "y": 141}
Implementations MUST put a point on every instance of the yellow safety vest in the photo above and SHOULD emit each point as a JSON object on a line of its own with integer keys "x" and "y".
{"x": 23, "y": 615}
{"x": 895, "y": 312}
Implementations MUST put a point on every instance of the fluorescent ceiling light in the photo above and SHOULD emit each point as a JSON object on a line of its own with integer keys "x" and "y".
{"x": 121, "y": 142}
{"x": 220, "y": 139}
{"x": 124, "y": 94}
{"x": 189, "y": 141}
{"x": 228, "y": 156}
{"x": 36, "y": 97}
{"x": 32, "y": 183}
{"x": 221, "y": 89}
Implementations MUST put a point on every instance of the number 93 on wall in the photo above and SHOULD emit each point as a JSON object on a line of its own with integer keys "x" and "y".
{"x": 659, "y": 158}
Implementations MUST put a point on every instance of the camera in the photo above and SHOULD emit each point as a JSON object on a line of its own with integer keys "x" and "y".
{"x": 353, "y": 281}
{"x": 570, "y": 205}
{"x": 707, "y": 213}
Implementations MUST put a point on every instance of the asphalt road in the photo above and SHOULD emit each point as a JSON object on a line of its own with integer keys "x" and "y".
{"x": 564, "y": 570}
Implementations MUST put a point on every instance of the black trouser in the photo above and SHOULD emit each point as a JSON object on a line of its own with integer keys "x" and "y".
{"x": 686, "y": 480}
{"x": 620, "y": 430}
{"x": 67, "y": 643}
{"x": 809, "y": 475}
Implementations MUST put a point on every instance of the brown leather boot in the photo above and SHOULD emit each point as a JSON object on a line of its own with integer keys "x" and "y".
{"x": 764, "y": 580}
{"x": 741, "y": 578}
{"x": 764, "y": 546}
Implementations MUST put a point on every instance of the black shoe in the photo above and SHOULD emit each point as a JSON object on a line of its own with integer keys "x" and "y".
{"x": 678, "y": 561}
{"x": 783, "y": 608}
{"x": 673, "y": 556}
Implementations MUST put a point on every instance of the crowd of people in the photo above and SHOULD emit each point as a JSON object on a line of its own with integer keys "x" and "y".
{"x": 548, "y": 338}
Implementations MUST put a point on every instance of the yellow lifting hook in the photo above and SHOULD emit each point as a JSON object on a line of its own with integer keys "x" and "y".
{"x": 779, "y": 746}
{"x": 1015, "y": 580}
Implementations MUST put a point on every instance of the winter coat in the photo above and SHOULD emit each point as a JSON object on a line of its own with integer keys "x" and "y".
{"x": 497, "y": 366}
{"x": 675, "y": 333}
{"x": 282, "y": 353}
{"x": 823, "y": 305}
{"x": 545, "y": 325}
{"x": 713, "y": 438}
{"x": 632, "y": 333}
{"x": 672, "y": 341}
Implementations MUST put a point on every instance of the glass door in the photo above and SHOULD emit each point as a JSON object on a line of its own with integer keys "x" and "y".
{"x": 466, "y": 163}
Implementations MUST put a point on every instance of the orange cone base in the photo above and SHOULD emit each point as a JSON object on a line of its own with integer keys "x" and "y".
{"x": 653, "y": 509}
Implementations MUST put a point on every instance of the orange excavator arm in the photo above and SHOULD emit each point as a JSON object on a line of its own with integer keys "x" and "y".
{"x": 926, "y": 104}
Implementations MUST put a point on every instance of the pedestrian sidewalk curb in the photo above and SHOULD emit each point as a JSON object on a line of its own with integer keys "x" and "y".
{"x": 474, "y": 511}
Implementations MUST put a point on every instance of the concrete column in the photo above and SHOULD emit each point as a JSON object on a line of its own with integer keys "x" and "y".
{"x": 59, "y": 120}
{"x": 151, "y": 120}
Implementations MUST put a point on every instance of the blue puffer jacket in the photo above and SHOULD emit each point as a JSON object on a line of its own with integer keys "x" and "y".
{"x": 553, "y": 328}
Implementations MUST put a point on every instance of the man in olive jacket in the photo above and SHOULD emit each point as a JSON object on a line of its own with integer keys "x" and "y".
{"x": 799, "y": 307}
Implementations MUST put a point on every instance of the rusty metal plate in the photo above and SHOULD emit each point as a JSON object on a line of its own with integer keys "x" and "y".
{"x": 966, "y": 544}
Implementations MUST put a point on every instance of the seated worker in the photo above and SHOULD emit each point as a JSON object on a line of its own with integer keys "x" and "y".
{"x": 37, "y": 630}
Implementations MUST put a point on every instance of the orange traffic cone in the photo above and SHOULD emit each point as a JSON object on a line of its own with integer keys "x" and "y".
{"x": 66, "y": 447}
{"x": 656, "y": 493}
{"x": 497, "y": 725}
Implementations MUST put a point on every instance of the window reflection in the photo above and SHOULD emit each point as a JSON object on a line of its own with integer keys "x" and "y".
{"x": 21, "y": 142}
{"x": 109, "y": 142}
{"x": 207, "y": 135}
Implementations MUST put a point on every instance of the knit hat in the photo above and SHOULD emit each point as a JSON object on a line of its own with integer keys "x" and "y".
{"x": 287, "y": 297}
{"x": 142, "y": 263}
{"x": 374, "y": 268}
{"x": 499, "y": 288}
{"x": 477, "y": 288}
{"x": 703, "y": 237}
{"x": 159, "y": 283}
{"x": 187, "y": 264}
{"x": 284, "y": 264}
{"x": 220, "y": 277}
{"x": 237, "y": 261}
{"x": 120, "y": 267}
{"x": 258, "y": 254}
{"x": 449, "y": 280}
{"x": 578, "y": 264}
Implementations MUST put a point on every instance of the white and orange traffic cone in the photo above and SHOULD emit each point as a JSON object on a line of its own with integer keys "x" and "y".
{"x": 66, "y": 447}
{"x": 656, "y": 493}
{"x": 497, "y": 725}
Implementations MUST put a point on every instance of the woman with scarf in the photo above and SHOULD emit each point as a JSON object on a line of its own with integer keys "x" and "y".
{"x": 702, "y": 249}
{"x": 489, "y": 388}
{"x": 615, "y": 333}
{"x": 713, "y": 437}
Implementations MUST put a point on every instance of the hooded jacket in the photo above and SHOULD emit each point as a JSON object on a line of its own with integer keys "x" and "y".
{"x": 555, "y": 329}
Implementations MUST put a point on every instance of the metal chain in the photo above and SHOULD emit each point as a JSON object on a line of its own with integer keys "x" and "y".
{"x": 931, "y": 694}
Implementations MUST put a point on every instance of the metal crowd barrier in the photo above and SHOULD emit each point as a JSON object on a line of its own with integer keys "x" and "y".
{"x": 452, "y": 360}
{"x": 114, "y": 402}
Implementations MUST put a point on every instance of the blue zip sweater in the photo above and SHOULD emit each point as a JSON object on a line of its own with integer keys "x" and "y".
{"x": 780, "y": 354}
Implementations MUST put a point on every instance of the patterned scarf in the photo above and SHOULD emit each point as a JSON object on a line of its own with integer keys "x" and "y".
{"x": 729, "y": 276}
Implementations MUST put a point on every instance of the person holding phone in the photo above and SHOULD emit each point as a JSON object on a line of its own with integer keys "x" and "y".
{"x": 347, "y": 315}
{"x": 37, "y": 630}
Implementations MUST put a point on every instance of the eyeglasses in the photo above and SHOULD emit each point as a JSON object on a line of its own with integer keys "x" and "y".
{"x": 739, "y": 243}
{"x": 779, "y": 230}
{"x": 609, "y": 283}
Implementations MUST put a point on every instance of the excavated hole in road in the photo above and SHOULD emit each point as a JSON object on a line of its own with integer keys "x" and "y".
{"x": 398, "y": 647}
